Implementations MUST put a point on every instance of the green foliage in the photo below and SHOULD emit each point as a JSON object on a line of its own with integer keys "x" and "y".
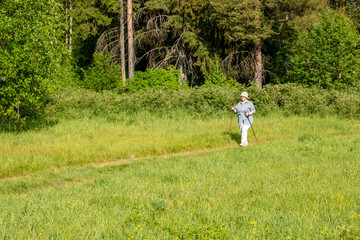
{"x": 89, "y": 15}
{"x": 155, "y": 78}
{"x": 327, "y": 54}
{"x": 298, "y": 100}
{"x": 186, "y": 23}
{"x": 102, "y": 74}
{"x": 233, "y": 18}
{"x": 288, "y": 98}
{"x": 217, "y": 76}
{"x": 30, "y": 53}
{"x": 200, "y": 51}
{"x": 89, "y": 19}
{"x": 288, "y": 19}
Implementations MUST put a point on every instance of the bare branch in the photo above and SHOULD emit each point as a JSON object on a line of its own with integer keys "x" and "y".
{"x": 149, "y": 52}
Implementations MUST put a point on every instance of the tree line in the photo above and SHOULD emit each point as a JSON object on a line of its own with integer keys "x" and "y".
{"x": 104, "y": 44}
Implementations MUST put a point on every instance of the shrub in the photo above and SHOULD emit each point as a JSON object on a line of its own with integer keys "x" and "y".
{"x": 289, "y": 98}
{"x": 154, "y": 78}
{"x": 102, "y": 74}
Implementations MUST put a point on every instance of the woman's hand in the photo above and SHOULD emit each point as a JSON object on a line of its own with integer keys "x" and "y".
{"x": 233, "y": 109}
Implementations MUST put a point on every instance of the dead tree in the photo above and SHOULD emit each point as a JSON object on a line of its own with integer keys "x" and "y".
{"x": 109, "y": 42}
{"x": 153, "y": 37}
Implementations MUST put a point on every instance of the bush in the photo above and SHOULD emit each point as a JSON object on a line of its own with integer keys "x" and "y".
{"x": 154, "y": 78}
{"x": 102, "y": 74}
{"x": 289, "y": 98}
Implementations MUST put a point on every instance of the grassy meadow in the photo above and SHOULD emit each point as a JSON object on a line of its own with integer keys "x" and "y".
{"x": 300, "y": 182}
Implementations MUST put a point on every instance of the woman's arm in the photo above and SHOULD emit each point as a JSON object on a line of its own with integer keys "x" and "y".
{"x": 233, "y": 109}
{"x": 251, "y": 110}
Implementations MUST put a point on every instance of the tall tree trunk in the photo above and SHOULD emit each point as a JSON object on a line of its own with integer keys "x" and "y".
{"x": 182, "y": 77}
{"x": 122, "y": 43}
{"x": 131, "y": 58}
{"x": 71, "y": 26}
{"x": 18, "y": 107}
{"x": 181, "y": 68}
{"x": 66, "y": 23}
{"x": 259, "y": 67}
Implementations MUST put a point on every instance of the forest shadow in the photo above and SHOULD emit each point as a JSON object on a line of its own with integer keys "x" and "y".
{"x": 36, "y": 124}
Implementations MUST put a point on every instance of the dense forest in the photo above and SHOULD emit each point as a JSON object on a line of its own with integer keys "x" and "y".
{"x": 125, "y": 46}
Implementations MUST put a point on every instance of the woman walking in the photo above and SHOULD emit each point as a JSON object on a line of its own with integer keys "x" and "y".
{"x": 245, "y": 111}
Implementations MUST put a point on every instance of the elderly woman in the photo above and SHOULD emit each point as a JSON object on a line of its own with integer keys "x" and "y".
{"x": 245, "y": 111}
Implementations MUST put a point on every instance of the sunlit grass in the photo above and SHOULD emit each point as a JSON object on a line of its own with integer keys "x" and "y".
{"x": 104, "y": 139}
{"x": 303, "y": 187}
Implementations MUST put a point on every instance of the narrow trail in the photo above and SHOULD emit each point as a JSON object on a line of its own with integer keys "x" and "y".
{"x": 177, "y": 154}
{"x": 116, "y": 162}
{"x": 82, "y": 179}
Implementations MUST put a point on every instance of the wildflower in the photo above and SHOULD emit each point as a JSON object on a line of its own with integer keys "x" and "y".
{"x": 288, "y": 237}
{"x": 252, "y": 223}
{"x": 310, "y": 227}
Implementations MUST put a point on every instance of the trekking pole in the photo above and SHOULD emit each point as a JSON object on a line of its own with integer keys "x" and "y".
{"x": 230, "y": 126}
{"x": 252, "y": 129}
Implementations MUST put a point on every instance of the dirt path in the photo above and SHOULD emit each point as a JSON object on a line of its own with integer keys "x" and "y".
{"x": 115, "y": 162}
{"x": 178, "y": 154}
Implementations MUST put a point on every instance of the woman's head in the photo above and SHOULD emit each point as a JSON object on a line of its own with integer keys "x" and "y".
{"x": 244, "y": 96}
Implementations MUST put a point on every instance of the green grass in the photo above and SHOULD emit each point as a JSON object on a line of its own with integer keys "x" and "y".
{"x": 103, "y": 139}
{"x": 96, "y": 140}
{"x": 301, "y": 182}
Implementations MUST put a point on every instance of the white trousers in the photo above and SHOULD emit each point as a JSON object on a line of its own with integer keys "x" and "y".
{"x": 244, "y": 128}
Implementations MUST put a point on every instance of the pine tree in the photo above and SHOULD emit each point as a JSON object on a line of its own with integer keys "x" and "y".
{"x": 131, "y": 50}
